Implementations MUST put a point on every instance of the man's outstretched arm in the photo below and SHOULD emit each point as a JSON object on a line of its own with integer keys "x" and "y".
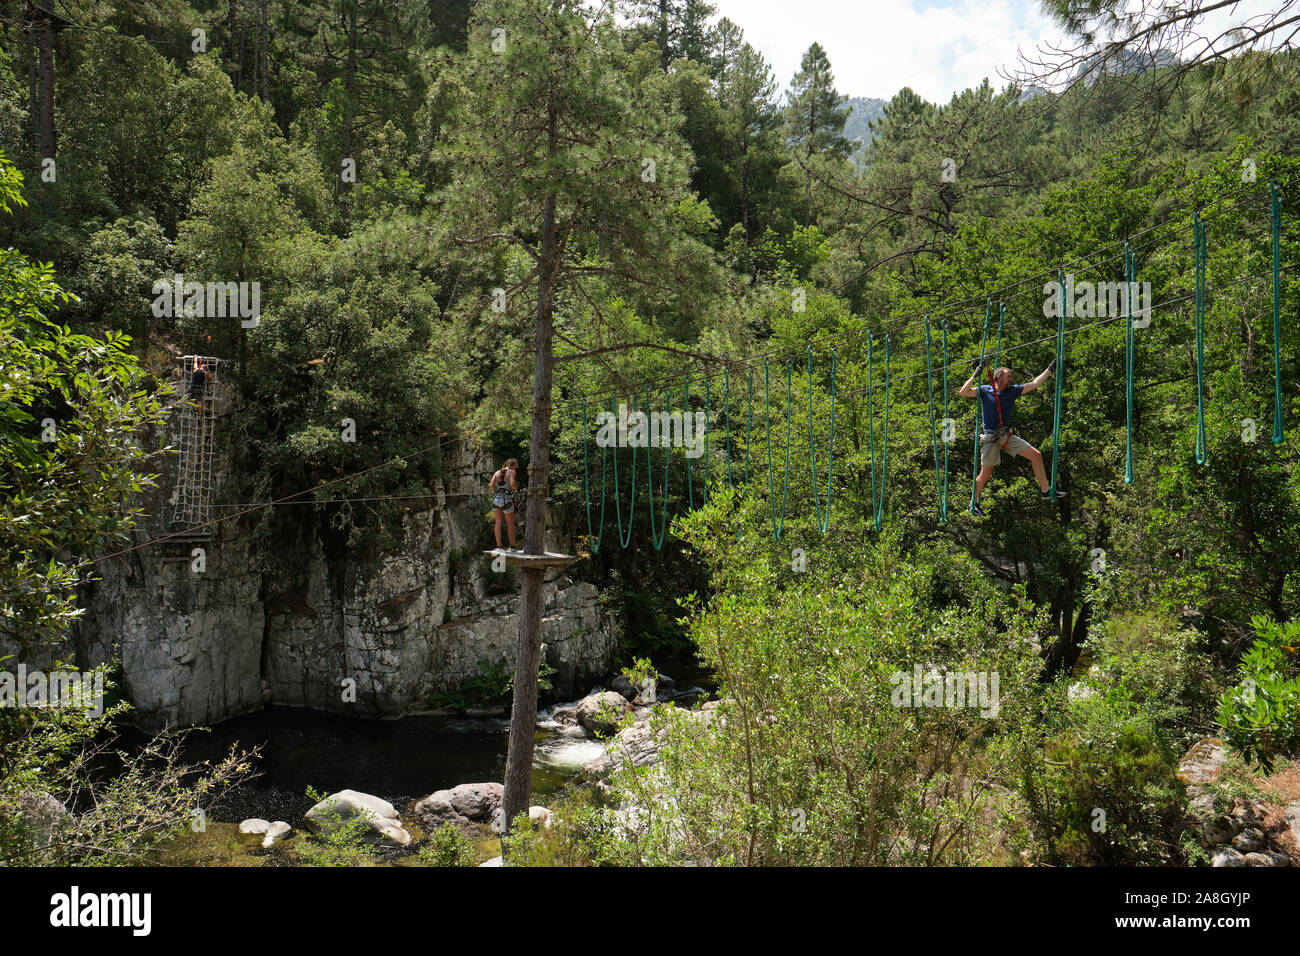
{"x": 968, "y": 390}
{"x": 1043, "y": 376}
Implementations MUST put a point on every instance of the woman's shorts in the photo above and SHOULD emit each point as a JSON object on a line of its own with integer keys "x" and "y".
{"x": 991, "y": 448}
{"x": 506, "y": 503}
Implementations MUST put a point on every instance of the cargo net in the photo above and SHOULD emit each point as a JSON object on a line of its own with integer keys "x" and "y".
{"x": 195, "y": 419}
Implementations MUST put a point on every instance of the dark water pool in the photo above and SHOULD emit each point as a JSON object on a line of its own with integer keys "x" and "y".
{"x": 399, "y": 760}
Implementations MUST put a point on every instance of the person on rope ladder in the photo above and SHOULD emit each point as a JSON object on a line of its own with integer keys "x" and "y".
{"x": 997, "y": 400}
{"x": 503, "y": 501}
{"x": 198, "y": 381}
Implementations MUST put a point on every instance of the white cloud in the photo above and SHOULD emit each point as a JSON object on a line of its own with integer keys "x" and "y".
{"x": 937, "y": 47}
{"x": 879, "y": 46}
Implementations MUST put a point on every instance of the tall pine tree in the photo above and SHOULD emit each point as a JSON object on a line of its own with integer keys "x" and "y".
{"x": 815, "y": 116}
{"x": 571, "y": 180}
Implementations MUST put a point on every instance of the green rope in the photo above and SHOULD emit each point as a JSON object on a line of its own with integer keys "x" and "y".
{"x": 823, "y": 522}
{"x": 940, "y": 476}
{"x": 586, "y": 478}
{"x": 771, "y": 491}
{"x": 707, "y": 403}
{"x": 749, "y": 421}
{"x": 1278, "y": 433}
{"x": 657, "y": 537}
{"x": 1060, "y": 375}
{"x": 686, "y": 410}
{"x": 979, "y": 416}
{"x": 1198, "y": 243}
{"x": 726, "y": 400}
{"x": 878, "y": 498}
{"x": 623, "y": 540}
{"x": 1002, "y": 318}
{"x": 1130, "y": 348}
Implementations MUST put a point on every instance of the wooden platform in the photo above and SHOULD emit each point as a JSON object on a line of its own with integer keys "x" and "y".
{"x": 537, "y": 561}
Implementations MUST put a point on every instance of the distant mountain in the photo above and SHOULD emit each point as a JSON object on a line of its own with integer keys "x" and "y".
{"x": 1124, "y": 62}
{"x": 862, "y": 110}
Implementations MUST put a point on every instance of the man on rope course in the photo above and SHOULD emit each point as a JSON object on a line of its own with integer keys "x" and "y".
{"x": 997, "y": 401}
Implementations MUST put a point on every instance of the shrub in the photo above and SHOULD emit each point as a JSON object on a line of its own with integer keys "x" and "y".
{"x": 341, "y": 842}
{"x": 1261, "y": 715}
{"x": 448, "y": 846}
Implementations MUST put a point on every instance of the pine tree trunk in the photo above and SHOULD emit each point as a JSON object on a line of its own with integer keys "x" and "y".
{"x": 523, "y": 715}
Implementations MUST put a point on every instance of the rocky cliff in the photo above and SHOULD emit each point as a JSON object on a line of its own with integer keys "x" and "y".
{"x": 291, "y": 618}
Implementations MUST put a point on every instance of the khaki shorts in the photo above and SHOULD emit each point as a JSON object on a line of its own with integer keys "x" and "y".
{"x": 991, "y": 448}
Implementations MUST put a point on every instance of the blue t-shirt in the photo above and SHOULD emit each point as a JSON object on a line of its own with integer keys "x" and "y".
{"x": 989, "y": 405}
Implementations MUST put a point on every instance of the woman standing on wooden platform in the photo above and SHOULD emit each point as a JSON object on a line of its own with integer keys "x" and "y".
{"x": 503, "y": 502}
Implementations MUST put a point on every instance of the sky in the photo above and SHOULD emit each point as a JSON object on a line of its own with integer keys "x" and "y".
{"x": 937, "y": 47}
{"x": 876, "y": 47}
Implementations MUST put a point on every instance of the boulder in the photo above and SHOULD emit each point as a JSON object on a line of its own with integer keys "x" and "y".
{"x": 1267, "y": 858}
{"x": 254, "y": 825}
{"x": 1249, "y": 840}
{"x": 599, "y": 712}
{"x": 1201, "y": 764}
{"x": 337, "y": 808}
{"x": 539, "y": 816}
{"x": 495, "y": 861}
{"x": 276, "y": 832}
{"x": 1220, "y": 829}
{"x": 469, "y": 803}
{"x": 43, "y": 814}
{"x": 621, "y": 685}
{"x": 1227, "y": 857}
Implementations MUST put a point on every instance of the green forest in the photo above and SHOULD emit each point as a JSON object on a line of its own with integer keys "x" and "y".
{"x": 490, "y": 224}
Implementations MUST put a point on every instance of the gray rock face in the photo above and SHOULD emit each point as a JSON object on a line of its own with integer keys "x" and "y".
{"x": 293, "y": 617}
{"x": 336, "y": 809}
{"x": 255, "y": 825}
{"x": 468, "y": 803}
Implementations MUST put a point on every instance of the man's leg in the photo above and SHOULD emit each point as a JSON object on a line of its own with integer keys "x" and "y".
{"x": 1036, "y": 461}
{"x": 981, "y": 480}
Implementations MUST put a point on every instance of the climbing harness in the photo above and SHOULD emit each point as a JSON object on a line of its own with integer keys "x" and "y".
{"x": 1003, "y": 431}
